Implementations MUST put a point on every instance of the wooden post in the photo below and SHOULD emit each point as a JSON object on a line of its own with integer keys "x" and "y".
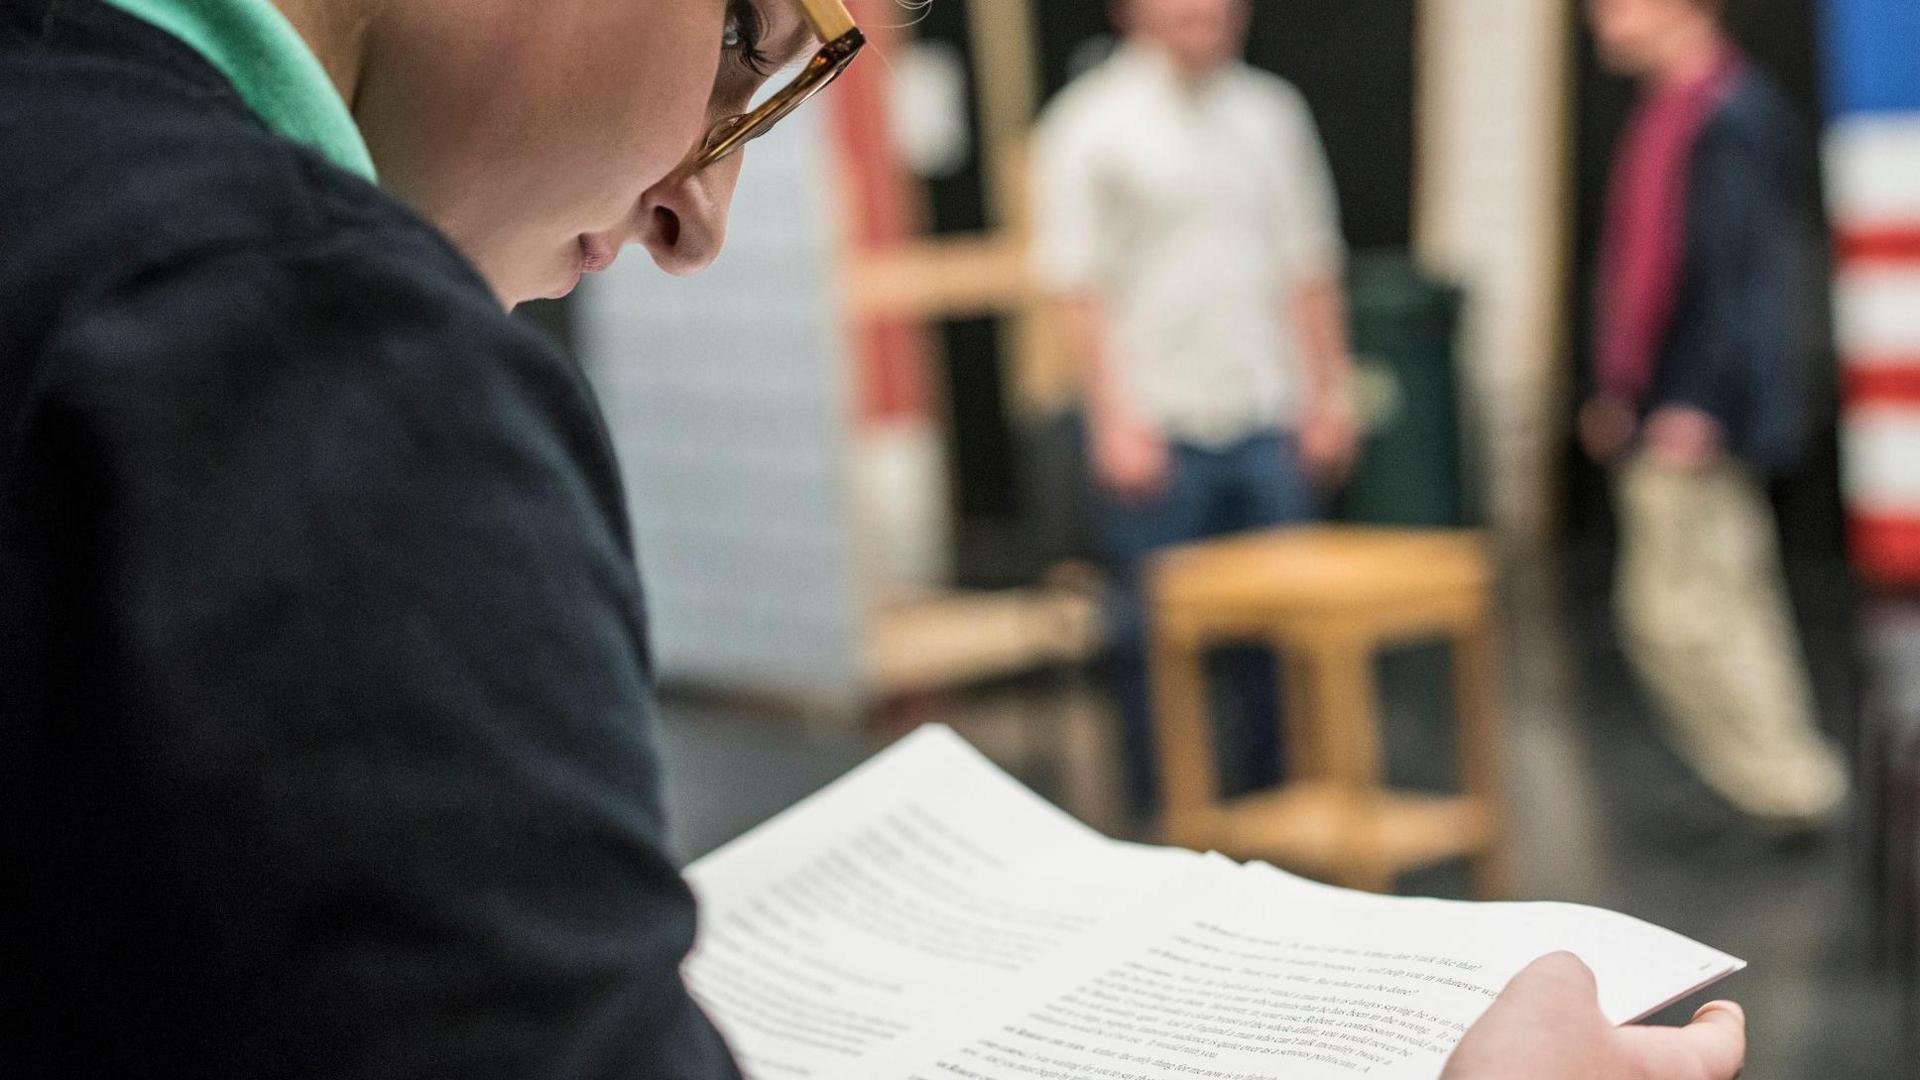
{"x": 1006, "y": 60}
{"x": 1006, "y": 76}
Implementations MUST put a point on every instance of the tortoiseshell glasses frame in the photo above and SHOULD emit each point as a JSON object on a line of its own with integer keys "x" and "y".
{"x": 841, "y": 41}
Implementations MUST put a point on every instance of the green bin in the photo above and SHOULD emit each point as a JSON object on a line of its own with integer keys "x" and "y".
{"x": 1410, "y": 470}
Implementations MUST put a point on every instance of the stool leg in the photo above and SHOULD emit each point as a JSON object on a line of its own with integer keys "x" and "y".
{"x": 1482, "y": 750}
{"x": 1344, "y": 730}
{"x": 1341, "y": 723}
{"x": 1304, "y": 754}
{"x": 1183, "y": 735}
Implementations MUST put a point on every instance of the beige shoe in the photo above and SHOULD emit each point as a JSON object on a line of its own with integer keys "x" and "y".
{"x": 1790, "y": 791}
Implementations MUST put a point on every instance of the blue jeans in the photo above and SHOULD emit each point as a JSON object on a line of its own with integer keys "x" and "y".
{"x": 1255, "y": 483}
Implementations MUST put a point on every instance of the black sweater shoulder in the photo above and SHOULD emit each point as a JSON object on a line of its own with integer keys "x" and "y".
{"x": 128, "y": 157}
{"x": 322, "y": 662}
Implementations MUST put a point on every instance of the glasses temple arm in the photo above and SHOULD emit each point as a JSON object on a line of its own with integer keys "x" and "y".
{"x": 830, "y": 17}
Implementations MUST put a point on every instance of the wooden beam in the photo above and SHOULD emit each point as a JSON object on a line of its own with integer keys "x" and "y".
{"x": 956, "y": 278}
{"x": 987, "y": 275}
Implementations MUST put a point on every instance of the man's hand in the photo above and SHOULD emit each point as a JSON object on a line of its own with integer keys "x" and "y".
{"x": 1547, "y": 1025}
{"x": 1329, "y": 440}
{"x": 1131, "y": 459}
{"x": 1684, "y": 438}
{"x": 1607, "y": 427}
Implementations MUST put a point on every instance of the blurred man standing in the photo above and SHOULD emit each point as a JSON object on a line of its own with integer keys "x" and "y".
{"x": 1709, "y": 322}
{"x": 1187, "y": 223}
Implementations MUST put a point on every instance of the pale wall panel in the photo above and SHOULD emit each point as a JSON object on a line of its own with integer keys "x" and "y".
{"x": 727, "y": 399}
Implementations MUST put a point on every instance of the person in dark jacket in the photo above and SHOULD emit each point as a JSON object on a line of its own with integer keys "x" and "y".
{"x": 1710, "y": 320}
{"x": 322, "y": 668}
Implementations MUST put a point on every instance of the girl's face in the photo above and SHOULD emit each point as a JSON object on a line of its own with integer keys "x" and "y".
{"x": 544, "y": 137}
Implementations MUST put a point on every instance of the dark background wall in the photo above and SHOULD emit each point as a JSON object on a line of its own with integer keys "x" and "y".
{"x": 1354, "y": 61}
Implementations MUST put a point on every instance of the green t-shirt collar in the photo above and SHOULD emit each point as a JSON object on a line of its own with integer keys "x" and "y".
{"x": 276, "y": 74}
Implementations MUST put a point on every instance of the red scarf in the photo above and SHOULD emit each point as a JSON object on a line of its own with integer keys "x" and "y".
{"x": 1644, "y": 247}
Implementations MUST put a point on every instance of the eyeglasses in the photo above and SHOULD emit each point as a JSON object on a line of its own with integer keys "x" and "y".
{"x": 841, "y": 42}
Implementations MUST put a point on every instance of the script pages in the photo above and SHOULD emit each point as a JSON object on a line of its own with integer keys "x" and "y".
{"x": 928, "y": 917}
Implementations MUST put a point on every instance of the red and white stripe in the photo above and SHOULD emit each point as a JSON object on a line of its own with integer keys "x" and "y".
{"x": 1873, "y": 161}
{"x": 1873, "y": 180}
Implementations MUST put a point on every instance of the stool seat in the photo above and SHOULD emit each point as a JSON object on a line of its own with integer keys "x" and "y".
{"x": 1313, "y": 573}
{"x": 1327, "y": 600}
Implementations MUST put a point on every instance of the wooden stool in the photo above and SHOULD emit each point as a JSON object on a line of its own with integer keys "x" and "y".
{"x": 1327, "y": 599}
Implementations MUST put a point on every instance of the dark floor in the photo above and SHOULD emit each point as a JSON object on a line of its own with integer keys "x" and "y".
{"x": 1604, "y": 814}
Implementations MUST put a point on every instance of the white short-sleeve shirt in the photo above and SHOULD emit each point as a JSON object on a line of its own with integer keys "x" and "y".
{"x": 1192, "y": 209}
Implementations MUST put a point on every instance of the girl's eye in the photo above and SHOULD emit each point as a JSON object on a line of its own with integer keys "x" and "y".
{"x": 741, "y": 35}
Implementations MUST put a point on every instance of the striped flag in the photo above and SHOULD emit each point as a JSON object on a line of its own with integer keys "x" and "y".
{"x": 1873, "y": 180}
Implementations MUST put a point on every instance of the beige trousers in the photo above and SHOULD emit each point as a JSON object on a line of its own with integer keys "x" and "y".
{"x": 1704, "y": 612}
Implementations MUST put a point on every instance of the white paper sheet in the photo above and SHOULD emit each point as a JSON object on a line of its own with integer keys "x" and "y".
{"x": 1255, "y": 974}
{"x": 920, "y": 885}
{"x": 928, "y": 918}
